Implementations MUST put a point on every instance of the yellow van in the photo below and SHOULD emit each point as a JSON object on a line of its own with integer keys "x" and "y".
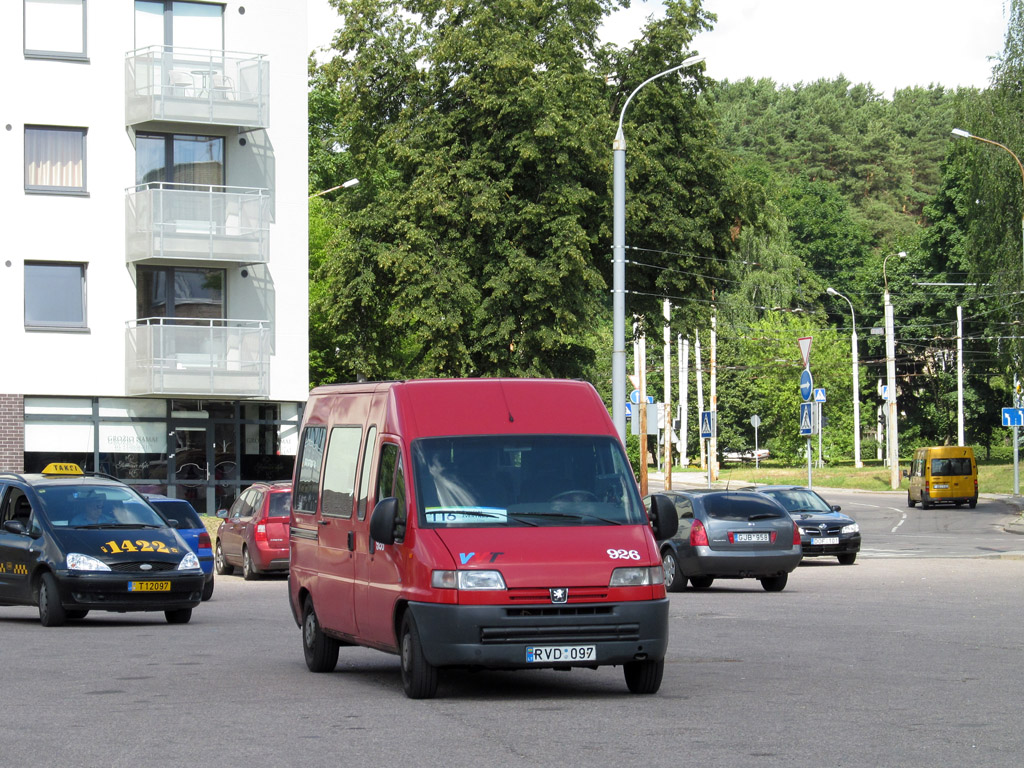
{"x": 943, "y": 474}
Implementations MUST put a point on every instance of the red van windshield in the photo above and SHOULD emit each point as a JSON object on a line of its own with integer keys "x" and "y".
{"x": 517, "y": 480}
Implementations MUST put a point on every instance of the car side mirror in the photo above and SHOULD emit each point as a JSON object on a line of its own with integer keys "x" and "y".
{"x": 14, "y": 526}
{"x": 663, "y": 516}
{"x": 836, "y": 508}
{"x": 383, "y": 520}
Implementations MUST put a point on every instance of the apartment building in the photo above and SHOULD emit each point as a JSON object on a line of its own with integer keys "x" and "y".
{"x": 153, "y": 240}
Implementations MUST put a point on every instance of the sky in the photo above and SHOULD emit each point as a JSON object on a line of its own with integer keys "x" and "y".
{"x": 887, "y": 43}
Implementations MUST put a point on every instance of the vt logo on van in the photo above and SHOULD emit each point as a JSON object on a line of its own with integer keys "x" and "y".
{"x": 465, "y": 557}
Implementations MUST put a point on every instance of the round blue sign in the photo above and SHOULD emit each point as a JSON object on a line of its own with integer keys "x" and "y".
{"x": 806, "y": 384}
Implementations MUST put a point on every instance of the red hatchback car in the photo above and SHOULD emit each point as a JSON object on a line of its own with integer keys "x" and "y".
{"x": 253, "y": 534}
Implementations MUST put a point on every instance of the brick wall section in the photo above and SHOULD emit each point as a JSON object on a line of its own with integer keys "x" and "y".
{"x": 12, "y": 433}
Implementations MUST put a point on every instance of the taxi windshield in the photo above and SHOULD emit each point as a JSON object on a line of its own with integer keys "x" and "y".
{"x": 524, "y": 480}
{"x": 91, "y": 506}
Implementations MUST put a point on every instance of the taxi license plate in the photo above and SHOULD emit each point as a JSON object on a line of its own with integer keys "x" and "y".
{"x": 149, "y": 586}
{"x": 549, "y": 653}
{"x": 752, "y": 537}
{"x": 826, "y": 541}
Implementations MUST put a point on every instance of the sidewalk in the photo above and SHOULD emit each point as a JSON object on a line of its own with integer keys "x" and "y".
{"x": 690, "y": 480}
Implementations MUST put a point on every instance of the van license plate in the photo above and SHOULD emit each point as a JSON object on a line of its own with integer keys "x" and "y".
{"x": 752, "y": 537}
{"x": 549, "y": 653}
{"x": 826, "y": 541}
{"x": 941, "y": 485}
{"x": 149, "y": 586}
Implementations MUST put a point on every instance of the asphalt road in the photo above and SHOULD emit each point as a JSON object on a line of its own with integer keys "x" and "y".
{"x": 908, "y": 661}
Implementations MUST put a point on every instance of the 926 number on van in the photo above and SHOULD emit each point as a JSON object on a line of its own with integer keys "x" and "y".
{"x": 623, "y": 554}
{"x": 549, "y": 653}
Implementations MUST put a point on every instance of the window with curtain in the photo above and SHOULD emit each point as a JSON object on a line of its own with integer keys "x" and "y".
{"x": 54, "y": 294}
{"x": 54, "y": 159}
{"x": 55, "y": 28}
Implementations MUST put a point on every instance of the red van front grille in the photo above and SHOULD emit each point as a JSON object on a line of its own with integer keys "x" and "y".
{"x": 576, "y": 595}
{"x": 536, "y": 634}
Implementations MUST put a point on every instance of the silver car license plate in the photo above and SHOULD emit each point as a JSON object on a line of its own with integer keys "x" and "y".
{"x": 752, "y": 537}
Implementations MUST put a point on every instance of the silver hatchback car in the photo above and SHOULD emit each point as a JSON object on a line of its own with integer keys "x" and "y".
{"x": 729, "y": 535}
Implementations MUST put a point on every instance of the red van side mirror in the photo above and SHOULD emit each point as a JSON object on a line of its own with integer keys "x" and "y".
{"x": 664, "y": 518}
{"x": 383, "y": 519}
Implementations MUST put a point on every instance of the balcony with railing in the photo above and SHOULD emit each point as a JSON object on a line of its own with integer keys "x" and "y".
{"x": 203, "y": 358}
{"x": 208, "y": 222}
{"x": 195, "y": 85}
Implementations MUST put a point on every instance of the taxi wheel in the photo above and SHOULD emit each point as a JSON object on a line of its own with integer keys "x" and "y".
{"x": 674, "y": 579}
{"x": 644, "y": 676}
{"x": 702, "y": 582}
{"x": 249, "y": 572}
{"x": 419, "y": 676}
{"x": 51, "y": 612}
{"x": 207, "y": 590}
{"x": 775, "y": 583}
{"x": 180, "y": 616}
{"x": 321, "y": 651}
{"x": 220, "y": 564}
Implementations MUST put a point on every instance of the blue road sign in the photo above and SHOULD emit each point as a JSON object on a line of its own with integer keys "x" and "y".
{"x": 806, "y": 419}
{"x": 629, "y": 409}
{"x": 806, "y": 384}
{"x": 634, "y": 397}
{"x": 819, "y": 395}
{"x": 1013, "y": 417}
{"x": 706, "y": 424}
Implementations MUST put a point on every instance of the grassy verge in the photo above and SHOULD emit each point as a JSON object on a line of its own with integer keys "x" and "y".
{"x": 992, "y": 478}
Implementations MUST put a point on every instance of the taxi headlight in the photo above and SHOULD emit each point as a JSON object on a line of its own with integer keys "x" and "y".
{"x": 80, "y": 562}
{"x": 189, "y": 562}
{"x": 637, "y": 577}
{"x": 467, "y": 580}
{"x": 851, "y": 528}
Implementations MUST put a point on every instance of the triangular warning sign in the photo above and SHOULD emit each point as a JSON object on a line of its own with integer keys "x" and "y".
{"x": 805, "y": 350}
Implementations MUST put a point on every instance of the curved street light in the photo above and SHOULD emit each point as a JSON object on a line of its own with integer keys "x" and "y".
{"x": 619, "y": 259}
{"x": 346, "y": 185}
{"x": 856, "y": 379}
{"x": 960, "y": 133}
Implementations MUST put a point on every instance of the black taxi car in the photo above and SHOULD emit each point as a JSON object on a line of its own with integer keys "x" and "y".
{"x": 73, "y": 543}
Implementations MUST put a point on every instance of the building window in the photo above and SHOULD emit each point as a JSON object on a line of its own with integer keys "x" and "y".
{"x": 55, "y": 29}
{"x": 179, "y": 159}
{"x": 54, "y": 295}
{"x": 181, "y": 292}
{"x": 179, "y": 23}
{"x": 54, "y": 159}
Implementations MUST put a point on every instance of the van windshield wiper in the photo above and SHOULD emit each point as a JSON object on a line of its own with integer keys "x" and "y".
{"x": 567, "y": 516}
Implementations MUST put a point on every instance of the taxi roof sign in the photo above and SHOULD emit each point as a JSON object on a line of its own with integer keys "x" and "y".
{"x": 62, "y": 469}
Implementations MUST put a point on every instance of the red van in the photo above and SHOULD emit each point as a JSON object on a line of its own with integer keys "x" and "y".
{"x": 488, "y": 523}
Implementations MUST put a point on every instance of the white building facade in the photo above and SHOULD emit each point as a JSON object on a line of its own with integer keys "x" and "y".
{"x": 153, "y": 266}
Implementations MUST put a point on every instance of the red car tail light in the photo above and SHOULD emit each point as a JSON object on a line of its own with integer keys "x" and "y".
{"x": 261, "y": 533}
{"x": 698, "y": 536}
{"x": 205, "y": 541}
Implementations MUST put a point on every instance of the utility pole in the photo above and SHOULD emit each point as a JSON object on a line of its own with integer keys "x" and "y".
{"x": 713, "y": 399}
{"x": 667, "y": 410}
{"x": 959, "y": 375}
{"x": 700, "y": 393}
{"x": 684, "y": 386}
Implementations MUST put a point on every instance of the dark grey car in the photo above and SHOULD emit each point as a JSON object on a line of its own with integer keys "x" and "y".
{"x": 824, "y": 530}
{"x": 729, "y": 535}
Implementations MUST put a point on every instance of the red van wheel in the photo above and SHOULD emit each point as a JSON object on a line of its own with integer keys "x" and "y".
{"x": 419, "y": 676}
{"x": 321, "y": 652}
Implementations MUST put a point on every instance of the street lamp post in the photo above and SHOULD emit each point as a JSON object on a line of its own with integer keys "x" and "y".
{"x": 346, "y": 185}
{"x": 960, "y": 133}
{"x": 856, "y": 380}
{"x": 892, "y": 439}
{"x": 619, "y": 259}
